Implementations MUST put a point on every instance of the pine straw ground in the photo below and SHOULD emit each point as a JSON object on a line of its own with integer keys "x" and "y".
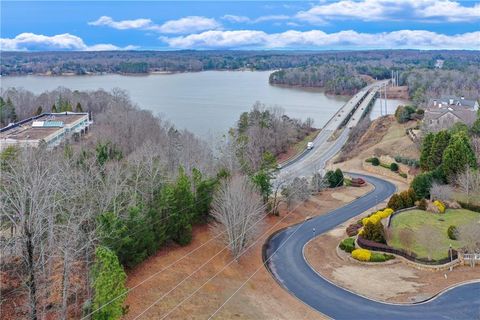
{"x": 260, "y": 298}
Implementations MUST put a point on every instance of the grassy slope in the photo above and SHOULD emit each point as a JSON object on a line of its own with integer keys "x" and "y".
{"x": 415, "y": 219}
{"x": 298, "y": 147}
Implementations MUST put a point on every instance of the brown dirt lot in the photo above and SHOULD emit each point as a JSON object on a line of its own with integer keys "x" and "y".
{"x": 260, "y": 298}
{"x": 394, "y": 281}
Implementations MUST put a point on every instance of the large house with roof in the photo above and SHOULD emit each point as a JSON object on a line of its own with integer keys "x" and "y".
{"x": 48, "y": 128}
{"x": 443, "y": 113}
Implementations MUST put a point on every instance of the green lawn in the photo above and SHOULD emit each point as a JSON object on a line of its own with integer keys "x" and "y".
{"x": 415, "y": 220}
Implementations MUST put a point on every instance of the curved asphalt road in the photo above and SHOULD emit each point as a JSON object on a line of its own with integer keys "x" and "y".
{"x": 286, "y": 262}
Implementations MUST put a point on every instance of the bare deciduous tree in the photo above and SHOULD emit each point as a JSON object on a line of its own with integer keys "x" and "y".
{"x": 441, "y": 192}
{"x": 469, "y": 234}
{"x": 468, "y": 182}
{"x": 318, "y": 182}
{"x": 238, "y": 209}
{"x": 297, "y": 190}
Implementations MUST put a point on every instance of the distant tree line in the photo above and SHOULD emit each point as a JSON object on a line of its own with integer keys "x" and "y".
{"x": 424, "y": 84}
{"x": 376, "y": 63}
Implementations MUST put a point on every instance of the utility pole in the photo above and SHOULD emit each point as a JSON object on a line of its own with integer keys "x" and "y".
{"x": 386, "y": 108}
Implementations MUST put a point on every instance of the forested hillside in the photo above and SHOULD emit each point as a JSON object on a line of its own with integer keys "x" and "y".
{"x": 335, "y": 79}
{"x": 424, "y": 84}
{"x": 376, "y": 63}
{"x": 76, "y": 217}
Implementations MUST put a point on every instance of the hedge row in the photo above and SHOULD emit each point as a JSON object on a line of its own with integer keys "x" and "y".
{"x": 407, "y": 161}
{"x": 375, "y": 246}
{"x": 368, "y": 256}
{"x": 469, "y": 206}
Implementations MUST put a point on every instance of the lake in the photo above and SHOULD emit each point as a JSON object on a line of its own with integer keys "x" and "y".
{"x": 206, "y": 103}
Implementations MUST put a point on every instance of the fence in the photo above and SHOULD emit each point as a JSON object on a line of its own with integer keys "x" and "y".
{"x": 375, "y": 246}
{"x": 471, "y": 256}
{"x": 397, "y": 212}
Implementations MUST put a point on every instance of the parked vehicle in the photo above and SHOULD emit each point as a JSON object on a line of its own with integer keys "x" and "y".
{"x": 310, "y": 145}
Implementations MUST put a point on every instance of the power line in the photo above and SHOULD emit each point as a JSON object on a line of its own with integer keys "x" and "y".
{"x": 170, "y": 265}
{"x": 253, "y": 274}
{"x": 224, "y": 267}
{"x": 216, "y": 274}
{"x": 260, "y": 267}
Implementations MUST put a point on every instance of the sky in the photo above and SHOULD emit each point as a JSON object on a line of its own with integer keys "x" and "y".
{"x": 244, "y": 25}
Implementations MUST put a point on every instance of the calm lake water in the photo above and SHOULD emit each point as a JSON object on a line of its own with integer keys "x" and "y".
{"x": 207, "y": 103}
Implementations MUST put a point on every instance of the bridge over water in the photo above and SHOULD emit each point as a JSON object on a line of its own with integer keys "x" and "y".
{"x": 333, "y": 135}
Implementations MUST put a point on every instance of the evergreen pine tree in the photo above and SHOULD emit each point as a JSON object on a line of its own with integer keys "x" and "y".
{"x": 39, "y": 111}
{"x": 78, "y": 108}
{"x": 440, "y": 142}
{"x": 426, "y": 149}
{"x": 108, "y": 283}
{"x": 458, "y": 156}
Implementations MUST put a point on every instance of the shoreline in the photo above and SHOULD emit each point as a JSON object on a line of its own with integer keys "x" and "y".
{"x": 71, "y": 74}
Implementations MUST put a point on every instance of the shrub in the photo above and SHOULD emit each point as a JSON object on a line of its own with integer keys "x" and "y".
{"x": 388, "y": 211}
{"x": 440, "y": 206}
{"x": 376, "y": 217}
{"x": 395, "y": 202}
{"x": 452, "y": 204}
{"x": 403, "y": 175}
{"x": 408, "y": 198}
{"x": 381, "y": 257}
{"x": 422, "y": 204}
{"x": 347, "y": 245}
{"x": 334, "y": 178}
{"x": 374, "y": 231}
{"x": 361, "y": 254}
{"x": 422, "y": 184}
{"x": 452, "y": 233}
{"x": 340, "y": 178}
{"x": 394, "y": 167}
{"x": 352, "y": 230}
{"x": 375, "y": 161}
{"x": 369, "y": 160}
{"x": 398, "y": 159}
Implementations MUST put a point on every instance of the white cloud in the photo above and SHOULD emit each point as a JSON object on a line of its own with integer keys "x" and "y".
{"x": 372, "y": 10}
{"x": 244, "y": 19}
{"x": 317, "y": 39}
{"x": 32, "y": 42}
{"x": 237, "y": 19}
{"x": 187, "y": 25}
{"x": 181, "y": 26}
{"x": 121, "y": 25}
{"x": 451, "y": 10}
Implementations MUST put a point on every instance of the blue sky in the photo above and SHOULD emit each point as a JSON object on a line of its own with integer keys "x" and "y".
{"x": 168, "y": 25}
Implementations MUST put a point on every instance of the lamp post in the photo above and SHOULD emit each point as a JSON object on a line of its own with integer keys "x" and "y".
{"x": 450, "y": 251}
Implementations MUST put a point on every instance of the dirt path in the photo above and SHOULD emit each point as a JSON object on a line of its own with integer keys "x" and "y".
{"x": 260, "y": 298}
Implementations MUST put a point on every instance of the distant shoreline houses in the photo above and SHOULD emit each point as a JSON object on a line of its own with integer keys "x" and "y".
{"x": 50, "y": 129}
{"x": 443, "y": 113}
